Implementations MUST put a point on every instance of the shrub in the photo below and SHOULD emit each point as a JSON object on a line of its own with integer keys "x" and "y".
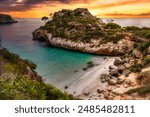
{"x": 112, "y": 26}
{"x": 143, "y": 33}
{"x": 146, "y": 61}
{"x": 141, "y": 90}
{"x": 112, "y": 38}
{"x": 143, "y": 46}
{"x": 135, "y": 68}
{"x": 132, "y": 28}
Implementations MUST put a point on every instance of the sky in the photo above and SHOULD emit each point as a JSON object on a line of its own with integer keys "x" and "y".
{"x": 99, "y": 8}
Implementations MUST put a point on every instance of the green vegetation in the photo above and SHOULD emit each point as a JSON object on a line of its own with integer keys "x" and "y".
{"x": 16, "y": 83}
{"x": 112, "y": 38}
{"x": 73, "y": 25}
{"x": 146, "y": 61}
{"x": 25, "y": 89}
{"x": 136, "y": 67}
{"x": 143, "y": 46}
{"x": 141, "y": 32}
{"x": 142, "y": 91}
{"x": 13, "y": 61}
{"x": 80, "y": 26}
{"x": 132, "y": 28}
{"x": 112, "y": 26}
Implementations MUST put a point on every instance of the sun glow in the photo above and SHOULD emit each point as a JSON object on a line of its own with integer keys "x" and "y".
{"x": 20, "y": 1}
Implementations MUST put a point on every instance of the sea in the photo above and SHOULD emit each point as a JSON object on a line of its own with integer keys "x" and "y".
{"x": 57, "y": 66}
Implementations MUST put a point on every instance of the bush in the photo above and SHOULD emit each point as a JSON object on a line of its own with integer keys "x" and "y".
{"x": 112, "y": 26}
{"x": 112, "y": 38}
{"x": 146, "y": 61}
{"x": 143, "y": 46}
{"x": 132, "y": 28}
{"x": 142, "y": 91}
{"x": 143, "y": 33}
{"x": 135, "y": 68}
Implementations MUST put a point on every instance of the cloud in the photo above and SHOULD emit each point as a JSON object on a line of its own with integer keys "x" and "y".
{"x": 116, "y": 3}
{"x": 24, "y": 5}
{"x": 126, "y": 15}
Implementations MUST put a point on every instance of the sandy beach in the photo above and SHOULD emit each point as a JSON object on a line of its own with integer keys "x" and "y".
{"x": 87, "y": 85}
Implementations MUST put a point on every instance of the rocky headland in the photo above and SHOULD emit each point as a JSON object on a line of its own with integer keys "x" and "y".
{"x": 126, "y": 77}
{"x": 6, "y": 19}
{"x": 79, "y": 30}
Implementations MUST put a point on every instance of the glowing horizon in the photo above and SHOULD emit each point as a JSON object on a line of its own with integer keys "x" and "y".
{"x": 100, "y": 8}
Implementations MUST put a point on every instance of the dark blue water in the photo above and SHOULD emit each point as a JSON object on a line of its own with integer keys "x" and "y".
{"x": 57, "y": 66}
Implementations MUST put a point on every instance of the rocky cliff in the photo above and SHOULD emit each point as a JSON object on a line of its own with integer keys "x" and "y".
{"x": 6, "y": 19}
{"x": 81, "y": 31}
{"x": 93, "y": 47}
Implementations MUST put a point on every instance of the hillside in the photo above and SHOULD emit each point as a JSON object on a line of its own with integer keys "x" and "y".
{"x": 19, "y": 81}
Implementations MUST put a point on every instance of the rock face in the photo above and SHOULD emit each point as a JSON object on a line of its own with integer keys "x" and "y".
{"x": 103, "y": 49}
{"x": 6, "y": 19}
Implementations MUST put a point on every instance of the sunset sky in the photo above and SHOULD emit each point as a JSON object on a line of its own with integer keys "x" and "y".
{"x": 100, "y": 8}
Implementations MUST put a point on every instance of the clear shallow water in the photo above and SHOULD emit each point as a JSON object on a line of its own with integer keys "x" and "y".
{"x": 56, "y": 66}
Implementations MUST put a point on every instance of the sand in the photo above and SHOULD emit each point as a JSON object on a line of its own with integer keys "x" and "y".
{"x": 90, "y": 82}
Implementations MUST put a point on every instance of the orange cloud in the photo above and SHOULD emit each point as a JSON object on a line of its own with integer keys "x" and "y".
{"x": 144, "y": 15}
{"x": 118, "y": 3}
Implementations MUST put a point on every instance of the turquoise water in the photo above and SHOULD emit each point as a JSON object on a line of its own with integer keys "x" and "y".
{"x": 56, "y": 66}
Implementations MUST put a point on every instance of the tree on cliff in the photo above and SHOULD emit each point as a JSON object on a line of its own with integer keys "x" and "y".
{"x": 44, "y": 19}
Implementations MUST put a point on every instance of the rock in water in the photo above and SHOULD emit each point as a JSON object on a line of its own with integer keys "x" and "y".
{"x": 6, "y": 19}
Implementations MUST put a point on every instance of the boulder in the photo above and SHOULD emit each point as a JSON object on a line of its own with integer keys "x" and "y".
{"x": 126, "y": 72}
{"x": 120, "y": 80}
{"x": 114, "y": 73}
{"x": 128, "y": 82}
{"x": 99, "y": 91}
{"x": 118, "y": 91}
{"x": 117, "y": 62}
{"x": 137, "y": 53}
{"x": 112, "y": 82}
{"x": 104, "y": 78}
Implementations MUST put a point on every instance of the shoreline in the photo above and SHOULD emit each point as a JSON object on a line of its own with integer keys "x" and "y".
{"x": 83, "y": 88}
